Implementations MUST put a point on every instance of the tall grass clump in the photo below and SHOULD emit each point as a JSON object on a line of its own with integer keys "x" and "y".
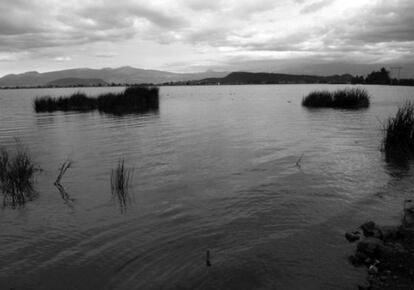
{"x": 16, "y": 176}
{"x": 399, "y": 131}
{"x": 133, "y": 99}
{"x": 318, "y": 99}
{"x": 120, "y": 177}
{"x": 341, "y": 99}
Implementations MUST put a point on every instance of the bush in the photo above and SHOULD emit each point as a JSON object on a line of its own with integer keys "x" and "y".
{"x": 343, "y": 99}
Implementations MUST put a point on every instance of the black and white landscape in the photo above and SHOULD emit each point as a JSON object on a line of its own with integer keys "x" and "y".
{"x": 190, "y": 144}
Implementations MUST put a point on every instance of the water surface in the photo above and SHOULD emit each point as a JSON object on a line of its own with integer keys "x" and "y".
{"x": 214, "y": 168}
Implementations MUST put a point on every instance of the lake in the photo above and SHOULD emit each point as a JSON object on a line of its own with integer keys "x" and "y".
{"x": 267, "y": 186}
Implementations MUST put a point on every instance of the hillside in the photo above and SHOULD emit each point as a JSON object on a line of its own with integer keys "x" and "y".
{"x": 122, "y": 75}
{"x": 275, "y": 78}
{"x": 71, "y": 82}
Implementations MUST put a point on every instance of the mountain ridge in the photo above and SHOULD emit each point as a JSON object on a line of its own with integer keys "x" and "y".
{"x": 127, "y": 75}
{"x": 72, "y": 82}
{"x": 275, "y": 78}
{"x": 121, "y": 75}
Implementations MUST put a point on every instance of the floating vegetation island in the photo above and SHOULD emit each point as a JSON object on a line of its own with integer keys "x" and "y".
{"x": 133, "y": 99}
{"x": 340, "y": 99}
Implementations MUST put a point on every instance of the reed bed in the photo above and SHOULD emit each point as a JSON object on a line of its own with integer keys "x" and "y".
{"x": 398, "y": 131}
{"x": 16, "y": 176}
{"x": 120, "y": 177}
{"x": 76, "y": 102}
{"x": 340, "y": 99}
{"x": 133, "y": 99}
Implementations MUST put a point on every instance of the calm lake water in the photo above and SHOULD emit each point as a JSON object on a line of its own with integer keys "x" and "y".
{"x": 213, "y": 169}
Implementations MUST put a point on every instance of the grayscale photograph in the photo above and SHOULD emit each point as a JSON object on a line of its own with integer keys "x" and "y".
{"x": 207, "y": 145}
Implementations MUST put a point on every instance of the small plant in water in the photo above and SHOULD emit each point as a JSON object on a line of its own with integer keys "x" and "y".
{"x": 120, "y": 177}
{"x": 16, "y": 176}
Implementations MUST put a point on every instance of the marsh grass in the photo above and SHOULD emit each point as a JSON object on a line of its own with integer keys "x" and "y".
{"x": 133, "y": 99}
{"x": 341, "y": 99}
{"x": 16, "y": 176}
{"x": 318, "y": 99}
{"x": 76, "y": 102}
{"x": 398, "y": 132}
{"x": 120, "y": 178}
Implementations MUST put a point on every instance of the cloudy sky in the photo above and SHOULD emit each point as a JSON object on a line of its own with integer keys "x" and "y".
{"x": 295, "y": 36}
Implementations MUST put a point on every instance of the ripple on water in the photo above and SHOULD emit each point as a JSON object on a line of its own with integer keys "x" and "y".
{"x": 215, "y": 169}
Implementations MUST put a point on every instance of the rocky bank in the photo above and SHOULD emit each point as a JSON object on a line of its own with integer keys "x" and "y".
{"x": 386, "y": 252}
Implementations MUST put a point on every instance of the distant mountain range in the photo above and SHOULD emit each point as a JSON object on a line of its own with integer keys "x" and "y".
{"x": 130, "y": 75}
{"x": 71, "y": 82}
{"x": 122, "y": 75}
{"x": 275, "y": 78}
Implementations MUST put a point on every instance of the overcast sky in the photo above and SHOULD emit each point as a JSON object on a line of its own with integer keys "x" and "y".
{"x": 311, "y": 36}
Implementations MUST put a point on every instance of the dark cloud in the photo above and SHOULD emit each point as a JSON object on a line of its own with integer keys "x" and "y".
{"x": 264, "y": 29}
{"x": 112, "y": 14}
{"x": 28, "y": 26}
{"x": 381, "y": 32}
{"x": 390, "y": 21}
{"x": 20, "y": 17}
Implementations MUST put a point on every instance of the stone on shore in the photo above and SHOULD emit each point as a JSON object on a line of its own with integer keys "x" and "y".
{"x": 352, "y": 237}
{"x": 370, "y": 229}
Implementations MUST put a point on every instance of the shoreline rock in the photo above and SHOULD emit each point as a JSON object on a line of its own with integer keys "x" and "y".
{"x": 387, "y": 253}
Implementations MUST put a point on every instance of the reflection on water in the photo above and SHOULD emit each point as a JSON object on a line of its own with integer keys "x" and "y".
{"x": 147, "y": 112}
{"x": 214, "y": 169}
{"x": 65, "y": 196}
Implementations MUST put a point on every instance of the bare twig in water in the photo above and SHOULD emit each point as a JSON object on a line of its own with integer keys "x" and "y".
{"x": 65, "y": 166}
{"x": 65, "y": 196}
{"x": 299, "y": 160}
{"x": 208, "y": 262}
{"x": 120, "y": 178}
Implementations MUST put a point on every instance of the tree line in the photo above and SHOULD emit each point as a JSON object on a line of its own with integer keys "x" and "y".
{"x": 381, "y": 77}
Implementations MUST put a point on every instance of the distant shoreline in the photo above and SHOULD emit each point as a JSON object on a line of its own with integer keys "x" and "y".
{"x": 190, "y": 85}
{"x": 135, "y": 77}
